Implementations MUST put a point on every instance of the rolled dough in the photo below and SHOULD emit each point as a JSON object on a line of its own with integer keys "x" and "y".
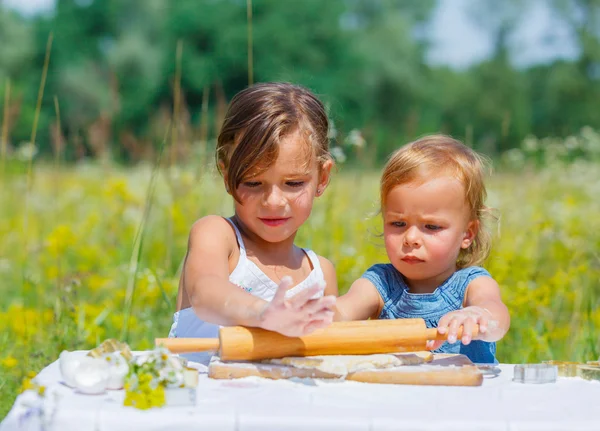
{"x": 342, "y": 365}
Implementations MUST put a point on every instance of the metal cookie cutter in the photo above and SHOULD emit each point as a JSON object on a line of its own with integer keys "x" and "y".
{"x": 490, "y": 370}
{"x": 535, "y": 373}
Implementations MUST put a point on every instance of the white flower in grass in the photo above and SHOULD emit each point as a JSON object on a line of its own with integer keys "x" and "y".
{"x": 332, "y": 132}
{"x": 348, "y": 250}
{"x": 355, "y": 139}
{"x": 591, "y": 140}
{"x": 514, "y": 158}
{"x": 571, "y": 143}
{"x": 27, "y": 151}
{"x": 530, "y": 144}
{"x": 338, "y": 154}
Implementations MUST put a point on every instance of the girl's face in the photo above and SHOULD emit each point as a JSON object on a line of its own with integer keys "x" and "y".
{"x": 426, "y": 224}
{"x": 278, "y": 200}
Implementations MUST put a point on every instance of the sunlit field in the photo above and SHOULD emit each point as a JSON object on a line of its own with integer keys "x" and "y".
{"x": 91, "y": 251}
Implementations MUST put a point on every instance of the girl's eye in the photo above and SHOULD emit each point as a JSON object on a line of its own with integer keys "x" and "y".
{"x": 432, "y": 227}
{"x": 295, "y": 183}
{"x": 398, "y": 223}
{"x": 251, "y": 184}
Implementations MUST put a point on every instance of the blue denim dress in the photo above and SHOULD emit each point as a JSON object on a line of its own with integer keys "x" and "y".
{"x": 399, "y": 303}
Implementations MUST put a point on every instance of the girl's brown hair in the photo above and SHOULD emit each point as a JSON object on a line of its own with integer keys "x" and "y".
{"x": 436, "y": 155}
{"x": 258, "y": 118}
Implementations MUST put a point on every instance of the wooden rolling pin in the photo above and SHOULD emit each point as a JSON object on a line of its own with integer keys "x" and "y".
{"x": 364, "y": 337}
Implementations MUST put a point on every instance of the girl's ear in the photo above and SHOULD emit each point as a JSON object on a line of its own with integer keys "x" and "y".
{"x": 470, "y": 234}
{"x": 324, "y": 174}
{"x": 225, "y": 177}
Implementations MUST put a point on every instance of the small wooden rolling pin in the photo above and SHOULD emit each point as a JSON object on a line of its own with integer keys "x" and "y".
{"x": 365, "y": 337}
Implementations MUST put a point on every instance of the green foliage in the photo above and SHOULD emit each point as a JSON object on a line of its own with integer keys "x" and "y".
{"x": 113, "y": 68}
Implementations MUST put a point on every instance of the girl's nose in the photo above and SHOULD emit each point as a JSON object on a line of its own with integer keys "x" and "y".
{"x": 273, "y": 197}
{"x": 412, "y": 237}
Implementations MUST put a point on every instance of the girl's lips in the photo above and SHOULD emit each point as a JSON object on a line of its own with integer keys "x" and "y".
{"x": 411, "y": 259}
{"x": 274, "y": 221}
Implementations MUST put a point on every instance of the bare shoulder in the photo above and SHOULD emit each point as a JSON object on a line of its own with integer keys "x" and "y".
{"x": 483, "y": 282}
{"x": 211, "y": 222}
{"x": 212, "y": 230}
{"x": 330, "y": 276}
{"x": 326, "y": 265}
{"x": 482, "y": 286}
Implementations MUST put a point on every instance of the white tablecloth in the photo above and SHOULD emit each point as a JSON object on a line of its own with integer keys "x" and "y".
{"x": 259, "y": 404}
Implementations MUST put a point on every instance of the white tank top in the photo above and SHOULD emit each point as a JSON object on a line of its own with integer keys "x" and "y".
{"x": 248, "y": 276}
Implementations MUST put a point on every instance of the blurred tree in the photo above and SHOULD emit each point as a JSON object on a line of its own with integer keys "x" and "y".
{"x": 15, "y": 66}
{"x": 568, "y": 92}
{"x": 583, "y": 19}
{"x": 114, "y": 69}
{"x": 135, "y": 57}
{"x": 499, "y": 100}
{"x": 17, "y": 45}
{"x": 385, "y": 92}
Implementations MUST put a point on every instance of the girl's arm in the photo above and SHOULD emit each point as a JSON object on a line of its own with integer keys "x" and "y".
{"x": 483, "y": 306}
{"x": 215, "y": 299}
{"x": 484, "y": 292}
{"x": 330, "y": 277}
{"x": 362, "y": 302}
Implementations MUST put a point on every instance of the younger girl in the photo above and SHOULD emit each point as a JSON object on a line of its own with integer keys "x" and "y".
{"x": 432, "y": 202}
{"x": 246, "y": 270}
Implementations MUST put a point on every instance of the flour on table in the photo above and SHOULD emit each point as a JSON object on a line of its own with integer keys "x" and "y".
{"x": 341, "y": 365}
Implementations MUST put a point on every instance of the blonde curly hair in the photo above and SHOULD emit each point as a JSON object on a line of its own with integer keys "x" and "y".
{"x": 435, "y": 155}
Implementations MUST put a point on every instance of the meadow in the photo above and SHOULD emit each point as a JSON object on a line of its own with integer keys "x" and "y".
{"x": 93, "y": 250}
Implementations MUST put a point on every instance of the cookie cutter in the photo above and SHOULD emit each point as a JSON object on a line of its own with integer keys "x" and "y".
{"x": 489, "y": 369}
{"x": 535, "y": 373}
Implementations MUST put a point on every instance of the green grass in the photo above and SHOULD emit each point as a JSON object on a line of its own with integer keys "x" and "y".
{"x": 66, "y": 264}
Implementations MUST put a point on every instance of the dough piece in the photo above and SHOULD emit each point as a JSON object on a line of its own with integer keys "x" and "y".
{"x": 342, "y": 365}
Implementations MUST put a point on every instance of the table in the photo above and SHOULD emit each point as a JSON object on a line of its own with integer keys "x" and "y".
{"x": 259, "y": 404}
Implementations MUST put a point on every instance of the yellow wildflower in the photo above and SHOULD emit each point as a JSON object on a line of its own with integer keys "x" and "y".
{"x": 60, "y": 239}
{"x": 9, "y": 362}
{"x": 27, "y": 385}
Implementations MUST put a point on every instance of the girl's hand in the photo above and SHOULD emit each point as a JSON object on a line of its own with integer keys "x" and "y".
{"x": 468, "y": 318}
{"x": 298, "y": 315}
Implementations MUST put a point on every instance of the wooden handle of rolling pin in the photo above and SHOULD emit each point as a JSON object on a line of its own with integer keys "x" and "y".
{"x": 365, "y": 337}
{"x": 188, "y": 345}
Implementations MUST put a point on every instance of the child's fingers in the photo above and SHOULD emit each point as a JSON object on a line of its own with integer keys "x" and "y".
{"x": 483, "y": 324}
{"x": 324, "y": 314}
{"x": 451, "y": 322}
{"x": 468, "y": 328}
{"x": 317, "y": 324}
{"x": 444, "y": 322}
{"x": 315, "y": 305}
{"x": 301, "y": 298}
{"x": 453, "y": 330}
{"x": 433, "y": 344}
{"x": 285, "y": 283}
